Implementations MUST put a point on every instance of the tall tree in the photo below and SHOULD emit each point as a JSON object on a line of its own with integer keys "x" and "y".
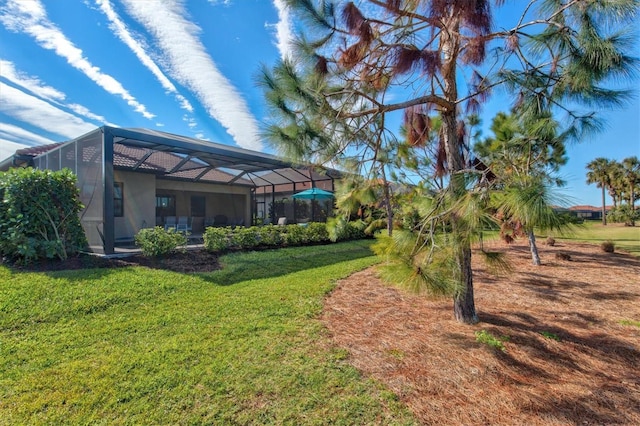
{"x": 525, "y": 156}
{"x": 615, "y": 185}
{"x": 631, "y": 170}
{"x": 445, "y": 57}
{"x": 600, "y": 174}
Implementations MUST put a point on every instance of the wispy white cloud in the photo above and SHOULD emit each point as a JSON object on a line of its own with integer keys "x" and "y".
{"x": 284, "y": 30}
{"x": 38, "y": 113}
{"x": 137, "y": 47}
{"x": 32, "y": 84}
{"x": 18, "y": 135}
{"x": 190, "y": 64}
{"x": 41, "y": 90}
{"x": 30, "y": 17}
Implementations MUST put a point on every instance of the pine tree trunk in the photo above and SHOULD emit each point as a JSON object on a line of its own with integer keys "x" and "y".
{"x": 387, "y": 204}
{"x": 463, "y": 302}
{"x": 464, "y": 307}
{"x": 535, "y": 257}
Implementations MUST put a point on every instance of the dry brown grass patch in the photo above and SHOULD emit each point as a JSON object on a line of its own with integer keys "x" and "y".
{"x": 568, "y": 359}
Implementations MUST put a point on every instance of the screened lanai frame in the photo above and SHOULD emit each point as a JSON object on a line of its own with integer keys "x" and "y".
{"x": 95, "y": 156}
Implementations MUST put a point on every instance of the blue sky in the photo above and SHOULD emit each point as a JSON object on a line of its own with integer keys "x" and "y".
{"x": 185, "y": 67}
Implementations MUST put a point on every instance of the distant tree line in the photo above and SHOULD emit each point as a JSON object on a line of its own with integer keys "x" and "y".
{"x": 621, "y": 179}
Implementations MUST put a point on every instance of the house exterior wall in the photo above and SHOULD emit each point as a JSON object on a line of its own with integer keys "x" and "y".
{"x": 234, "y": 202}
{"x": 139, "y": 202}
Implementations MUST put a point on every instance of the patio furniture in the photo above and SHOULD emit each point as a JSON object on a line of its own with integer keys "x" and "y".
{"x": 183, "y": 224}
{"x": 282, "y": 221}
{"x": 169, "y": 222}
{"x": 221, "y": 220}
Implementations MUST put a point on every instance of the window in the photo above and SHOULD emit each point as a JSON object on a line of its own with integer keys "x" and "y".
{"x": 165, "y": 205}
{"x": 118, "y": 199}
{"x": 198, "y": 206}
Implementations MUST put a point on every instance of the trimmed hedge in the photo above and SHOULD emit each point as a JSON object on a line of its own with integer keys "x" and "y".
{"x": 271, "y": 236}
{"x": 158, "y": 242}
{"x": 39, "y": 215}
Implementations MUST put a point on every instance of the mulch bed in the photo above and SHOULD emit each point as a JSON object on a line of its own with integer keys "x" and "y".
{"x": 568, "y": 359}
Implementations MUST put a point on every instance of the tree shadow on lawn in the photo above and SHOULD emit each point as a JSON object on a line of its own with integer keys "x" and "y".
{"x": 86, "y": 266}
{"x": 251, "y": 266}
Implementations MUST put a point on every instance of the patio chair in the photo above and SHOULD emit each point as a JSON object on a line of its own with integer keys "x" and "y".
{"x": 169, "y": 222}
{"x": 183, "y": 224}
{"x": 220, "y": 220}
{"x": 282, "y": 221}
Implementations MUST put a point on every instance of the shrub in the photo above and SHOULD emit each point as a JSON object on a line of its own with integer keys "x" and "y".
{"x": 624, "y": 214}
{"x": 608, "y": 246}
{"x": 216, "y": 239}
{"x": 39, "y": 215}
{"x": 340, "y": 229}
{"x": 551, "y": 241}
{"x": 244, "y": 238}
{"x": 270, "y": 235}
{"x": 317, "y": 232}
{"x": 295, "y": 235}
{"x": 160, "y": 242}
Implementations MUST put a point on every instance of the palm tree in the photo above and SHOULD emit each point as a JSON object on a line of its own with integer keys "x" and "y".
{"x": 599, "y": 173}
{"x": 616, "y": 185}
{"x": 631, "y": 167}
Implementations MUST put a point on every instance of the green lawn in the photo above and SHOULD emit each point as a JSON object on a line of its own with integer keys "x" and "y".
{"x": 625, "y": 237}
{"x": 138, "y": 346}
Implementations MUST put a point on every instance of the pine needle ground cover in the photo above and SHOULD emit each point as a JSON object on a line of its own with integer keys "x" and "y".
{"x": 134, "y": 345}
{"x": 557, "y": 344}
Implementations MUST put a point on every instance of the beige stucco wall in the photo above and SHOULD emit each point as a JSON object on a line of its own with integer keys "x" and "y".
{"x": 140, "y": 191}
{"x": 139, "y": 203}
{"x": 231, "y": 201}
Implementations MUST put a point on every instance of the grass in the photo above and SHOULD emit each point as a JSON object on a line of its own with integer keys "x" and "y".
{"x": 484, "y": 336}
{"x": 138, "y": 346}
{"x": 630, "y": 322}
{"x": 625, "y": 238}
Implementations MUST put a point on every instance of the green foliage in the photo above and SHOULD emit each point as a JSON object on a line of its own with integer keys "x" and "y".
{"x": 496, "y": 263}
{"x": 270, "y": 235}
{"x": 483, "y": 336}
{"x": 550, "y": 335}
{"x": 317, "y": 232}
{"x": 342, "y": 230}
{"x": 423, "y": 268}
{"x": 159, "y": 242}
{"x": 223, "y": 239}
{"x": 39, "y": 215}
{"x": 295, "y": 235}
{"x": 217, "y": 239}
{"x": 630, "y": 322}
{"x": 244, "y": 238}
{"x": 624, "y": 214}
